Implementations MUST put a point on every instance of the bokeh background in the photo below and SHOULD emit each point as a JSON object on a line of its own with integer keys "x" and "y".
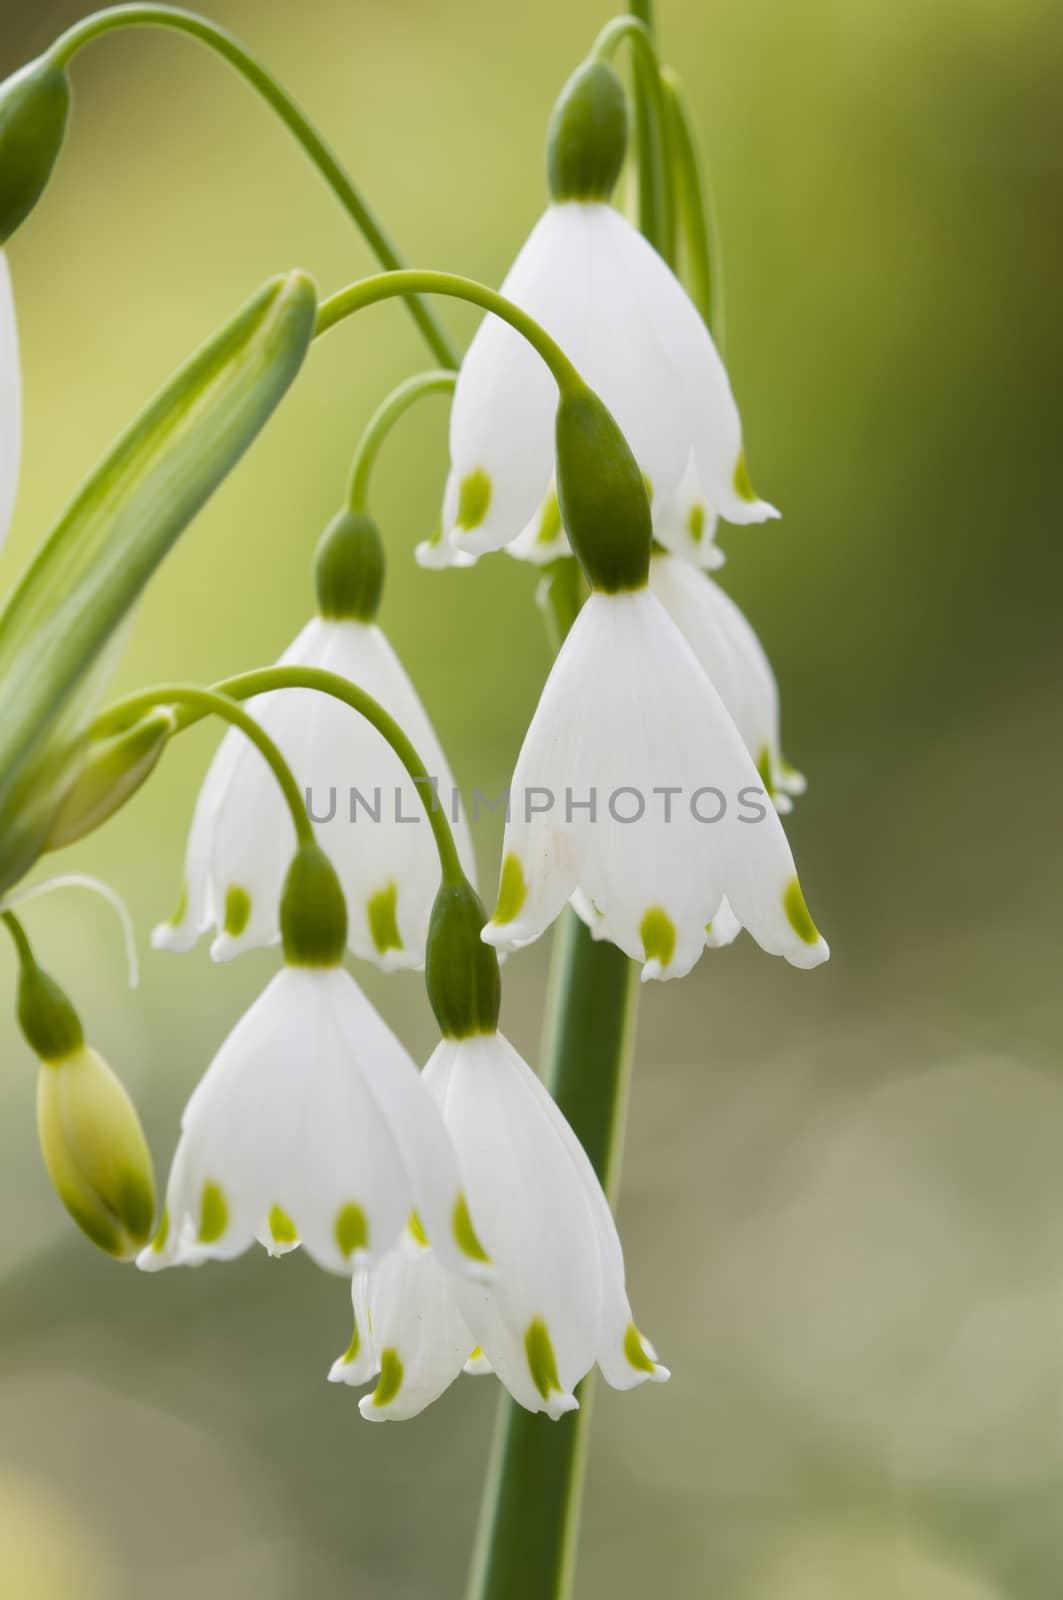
{"x": 843, "y": 1197}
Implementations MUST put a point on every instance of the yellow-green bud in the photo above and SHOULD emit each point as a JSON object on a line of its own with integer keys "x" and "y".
{"x": 602, "y": 494}
{"x": 313, "y": 912}
{"x": 34, "y": 104}
{"x": 114, "y": 770}
{"x": 349, "y": 568}
{"x": 587, "y": 138}
{"x": 95, "y": 1151}
{"x": 461, "y": 972}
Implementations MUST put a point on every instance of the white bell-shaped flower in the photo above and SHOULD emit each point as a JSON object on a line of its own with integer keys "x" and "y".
{"x": 10, "y": 400}
{"x": 557, "y": 1302}
{"x": 622, "y": 317}
{"x": 368, "y": 813}
{"x": 312, "y": 1125}
{"x": 727, "y": 647}
{"x": 634, "y": 785}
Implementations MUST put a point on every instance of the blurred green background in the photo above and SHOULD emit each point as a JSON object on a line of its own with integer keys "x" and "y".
{"x": 843, "y": 1198}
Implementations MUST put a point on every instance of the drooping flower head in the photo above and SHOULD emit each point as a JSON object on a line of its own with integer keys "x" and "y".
{"x": 557, "y": 1301}
{"x": 312, "y": 1124}
{"x": 627, "y": 324}
{"x": 368, "y": 811}
{"x": 633, "y": 785}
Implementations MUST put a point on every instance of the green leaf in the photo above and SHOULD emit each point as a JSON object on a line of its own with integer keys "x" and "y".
{"x": 59, "y": 630}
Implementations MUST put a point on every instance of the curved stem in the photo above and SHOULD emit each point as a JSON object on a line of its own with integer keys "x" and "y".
{"x": 420, "y": 280}
{"x": 289, "y": 112}
{"x": 380, "y": 424}
{"x": 22, "y": 944}
{"x": 697, "y": 210}
{"x": 267, "y": 679}
{"x": 199, "y": 703}
{"x": 656, "y": 194}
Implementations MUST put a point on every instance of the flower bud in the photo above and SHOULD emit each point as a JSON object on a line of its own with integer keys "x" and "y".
{"x": 313, "y": 912}
{"x": 114, "y": 770}
{"x": 587, "y": 138}
{"x": 461, "y": 972}
{"x": 349, "y": 568}
{"x": 34, "y": 104}
{"x": 602, "y": 494}
{"x": 95, "y": 1151}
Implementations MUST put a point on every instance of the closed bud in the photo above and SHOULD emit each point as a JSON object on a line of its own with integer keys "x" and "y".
{"x": 349, "y": 568}
{"x": 587, "y": 138}
{"x": 95, "y": 1151}
{"x": 461, "y": 972}
{"x": 113, "y": 771}
{"x": 34, "y": 104}
{"x": 602, "y": 494}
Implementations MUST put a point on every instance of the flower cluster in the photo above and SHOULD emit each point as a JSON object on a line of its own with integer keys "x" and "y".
{"x": 593, "y": 423}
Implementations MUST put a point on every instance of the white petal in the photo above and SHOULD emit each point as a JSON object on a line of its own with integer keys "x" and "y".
{"x": 419, "y": 1336}
{"x": 359, "y": 1362}
{"x": 734, "y": 658}
{"x": 690, "y": 369}
{"x": 544, "y": 539}
{"x": 241, "y": 842}
{"x": 539, "y": 1321}
{"x": 686, "y": 523}
{"x": 10, "y": 400}
{"x": 289, "y": 1136}
{"x": 682, "y": 819}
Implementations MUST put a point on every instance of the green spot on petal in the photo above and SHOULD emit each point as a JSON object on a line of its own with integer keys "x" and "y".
{"x": 465, "y": 1233}
{"x": 390, "y": 1378}
{"x": 797, "y": 913}
{"x": 474, "y": 497}
{"x": 237, "y": 911}
{"x": 213, "y": 1214}
{"x": 383, "y": 921}
{"x": 181, "y": 909}
{"x": 282, "y": 1227}
{"x": 477, "y": 1354}
{"x": 416, "y": 1227}
{"x": 764, "y": 772}
{"x": 351, "y": 1352}
{"x": 352, "y": 1230}
{"x": 550, "y": 521}
{"x": 636, "y": 1355}
{"x": 696, "y": 523}
{"x": 512, "y": 890}
{"x": 158, "y": 1244}
{"x": 742, "y": 486}
{"x": 542, "y": 1363}
{"x": 657, "y": 932}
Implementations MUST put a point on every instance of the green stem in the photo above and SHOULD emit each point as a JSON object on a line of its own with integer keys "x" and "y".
{"x": 416, "y": 280}
{"x": 26, "y": 958}
{"x": 264, "y": 681}
{"x": 656, "y": 192}
{"x": 380, "y": 424}
{"x": 294, "y": 119}
{"x": 200, "y": 703}
{"x": 701, "y": 237}
{"x": 529, "y": 1519}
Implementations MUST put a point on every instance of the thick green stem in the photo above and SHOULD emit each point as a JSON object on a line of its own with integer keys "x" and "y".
{"x": 529, "y": 1519}
{"x": 198, "y": 703}
{"x": 380, "y": 424}
{"x": 294, "y": 119}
